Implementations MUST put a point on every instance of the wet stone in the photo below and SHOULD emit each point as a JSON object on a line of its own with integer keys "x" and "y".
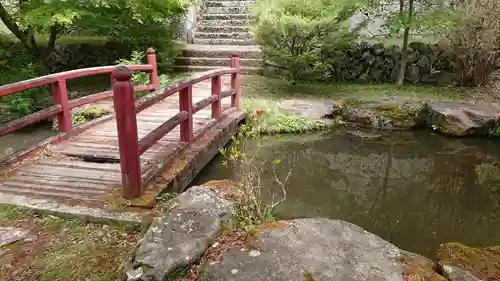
{"x": 181, "y": 236}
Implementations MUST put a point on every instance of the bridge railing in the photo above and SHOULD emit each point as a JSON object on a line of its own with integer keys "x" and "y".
{"x": 131, "y": 147}
{"x": 62, "y": 105}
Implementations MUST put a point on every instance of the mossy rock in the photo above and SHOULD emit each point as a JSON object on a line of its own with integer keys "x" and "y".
{"x": 387, "y": 113}
{"x": 481, "y": 262}
{"x": 93, "y": 112}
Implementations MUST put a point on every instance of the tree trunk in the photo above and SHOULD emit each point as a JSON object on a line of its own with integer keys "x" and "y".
{"x": 406, "y": 35}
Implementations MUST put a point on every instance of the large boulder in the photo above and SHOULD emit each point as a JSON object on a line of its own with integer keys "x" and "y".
{"x": 391, "y": 113}
{"x": 458, "y": 118}
{"x": 310, "y": 249}
{"x": 181, "y": 236}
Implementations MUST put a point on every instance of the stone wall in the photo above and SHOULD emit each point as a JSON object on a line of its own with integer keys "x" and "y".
{"x": 427, "y": 64}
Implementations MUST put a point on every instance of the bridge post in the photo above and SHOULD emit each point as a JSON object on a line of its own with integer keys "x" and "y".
{"x": 235, "y": 80}
{"x": 216, "y": 91}
{"x": 153, "y": 77}
{"x": 186, "y": 104}
{"x": 126, "y": 123}
{"x": 60, "y": 95}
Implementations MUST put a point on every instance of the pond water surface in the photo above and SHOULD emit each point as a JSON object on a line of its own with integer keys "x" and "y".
{"x": 414, "y": 189}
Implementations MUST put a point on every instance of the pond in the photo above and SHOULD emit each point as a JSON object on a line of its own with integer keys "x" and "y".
{"x": 414, "y": 189}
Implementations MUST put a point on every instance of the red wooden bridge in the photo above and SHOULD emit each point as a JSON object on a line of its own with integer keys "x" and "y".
{"x": 157, "y": 142}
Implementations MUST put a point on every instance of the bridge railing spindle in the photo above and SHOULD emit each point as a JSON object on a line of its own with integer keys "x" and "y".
{"x": 60, "y": 96}
{"x": 216, "y": 100}
{"x": 126, "y": 123}
{"x": 186, "y": 104}
{"x": 153, "y": 76}
{"x": 235, "y": 80}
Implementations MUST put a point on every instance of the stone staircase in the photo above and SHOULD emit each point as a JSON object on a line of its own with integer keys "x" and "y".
{"x": 222, "y": 28}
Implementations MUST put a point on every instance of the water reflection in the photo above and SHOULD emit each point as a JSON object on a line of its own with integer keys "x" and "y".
{"x": 416, "y": 190}
{"x": 24, "y": 138}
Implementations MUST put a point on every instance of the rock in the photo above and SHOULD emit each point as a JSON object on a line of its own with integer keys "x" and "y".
{"x": 310, "y": 249}
{"x": 412, "y": 73}
{"x": 457, "y": 118}
{"x": 10, "y": 235}
{"x": 391, "y": 113}
{"x": 181, "y": 236}
{"x": 460, "y": 261}
{"x": 311, "y": 108}
{"x": 457, "y": 274}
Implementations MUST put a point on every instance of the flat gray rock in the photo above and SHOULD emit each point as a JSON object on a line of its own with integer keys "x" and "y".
{"x": 181, "y": 236}
{"x": 10, "y": 235}
{"x": 310, "y": 108}
{"x": 454, "y": 273}
{"x": 458, "y": 118}
{"x": 310, "y": 249}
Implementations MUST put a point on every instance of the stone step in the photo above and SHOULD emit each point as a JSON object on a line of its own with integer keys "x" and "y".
{"x": 223, "y": 41}
{"x": 223, "y": 29}
{"x": 224, "y": 3}
{"x": 219, "y": 35}
{"x": 221, "y": 51}
{"x": 222, "y": 62}
{"x": 229, "y": 22}
{"x": 227, "y": 10}
{"x": 197, "y": 68}
{"x": 224, "y": 16}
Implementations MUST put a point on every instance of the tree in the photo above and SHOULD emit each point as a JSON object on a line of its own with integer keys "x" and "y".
{"x": 28, "y": 18}
{"x": 411, "y": 17}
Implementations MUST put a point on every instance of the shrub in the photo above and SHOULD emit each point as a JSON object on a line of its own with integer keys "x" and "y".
{"x": 475, "y": 40}
{"x": 17, "y": 65}
{"x": 300, "y": 34}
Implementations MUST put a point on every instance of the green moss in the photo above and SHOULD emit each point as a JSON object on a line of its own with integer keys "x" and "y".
{"x": 396, "y": 112}
{"x": 308, "y": 277}
{"x": 482, "y": 262}
{"x": 93, "y": 112}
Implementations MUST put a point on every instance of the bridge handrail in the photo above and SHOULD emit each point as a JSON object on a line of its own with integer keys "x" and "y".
{"x": 63, "y": 106}
{"x": 131, "y": 148}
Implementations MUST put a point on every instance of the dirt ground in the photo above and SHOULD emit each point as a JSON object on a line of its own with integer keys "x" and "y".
{"x": 58, "y": 249}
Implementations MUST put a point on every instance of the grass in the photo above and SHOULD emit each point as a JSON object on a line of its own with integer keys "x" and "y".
{"x": 65, "y": 249}
{"x": 276, "y": 89}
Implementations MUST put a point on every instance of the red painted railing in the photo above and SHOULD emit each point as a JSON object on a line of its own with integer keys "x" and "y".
{"x": 63, "y": 106}
{"x": 131, "y": 147}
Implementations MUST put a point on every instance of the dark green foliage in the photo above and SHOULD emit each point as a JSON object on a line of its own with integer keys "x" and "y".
{"x": 17, "y": 65}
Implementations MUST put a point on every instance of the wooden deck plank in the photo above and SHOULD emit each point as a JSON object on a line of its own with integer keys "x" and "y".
{"x": 36, "y": 187}
{"x": 58, "y": 181}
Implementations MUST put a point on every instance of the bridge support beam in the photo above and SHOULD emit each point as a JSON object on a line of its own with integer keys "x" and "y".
{"x": 126, "y": 122}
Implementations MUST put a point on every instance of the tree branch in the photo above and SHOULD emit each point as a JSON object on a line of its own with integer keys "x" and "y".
{"x": 11, "y": 24}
